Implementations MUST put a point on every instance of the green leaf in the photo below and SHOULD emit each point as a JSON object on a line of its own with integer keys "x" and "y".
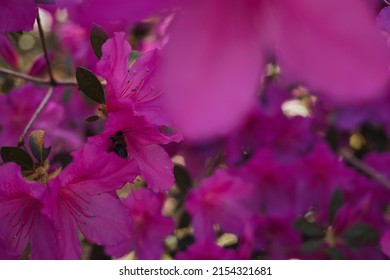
{"x": 134, "y": 55}
{"x": 359, "y": 234}
{"x": 311, "y": 245}
{"x": 36, "y": 141}
{"x": 336, "y": 201}
{"x": 17, "y": 155}
{"x": 336, "y": 254}
{"x": 97, "y": 37}
{"x": 90, "y": 85}
{"x": 309, "y": 229}
{"x": 93, "y": 118}
{"x": 182, "y": 178}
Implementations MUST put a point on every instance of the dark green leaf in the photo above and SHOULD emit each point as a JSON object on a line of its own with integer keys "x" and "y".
{"x": 336, "y": 201}
{"x": 134, "y": 55}
{"x": 336, "y": 254}
{"x": 309, "y": 229}
{"x": 97, "y": 37}
{"x": 90, "y": 85}
{"x": 182, "y": 178}
{"x": 359, "y": 234}
{"x": 311, "y": 245}
{"x": 17, "y": 155}
{"x": 36, "y": 142}
{"x": 93, "y": 118}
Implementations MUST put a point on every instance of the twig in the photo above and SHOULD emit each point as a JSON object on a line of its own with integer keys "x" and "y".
{"x": 42, "y": 81}
{"x": 45, "y": 52}
{"x": 365, "y": 168}
{"x": 36, "y": 114}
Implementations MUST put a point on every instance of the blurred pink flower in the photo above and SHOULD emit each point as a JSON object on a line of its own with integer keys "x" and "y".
{"x": 385, "y": 243}
{"x": 17, "y": 15}
{"x": 221, "y": 200}
{"x": 7, "y": 51}
{"x": 150, "y": 227}
{"x": 19, "y": 105}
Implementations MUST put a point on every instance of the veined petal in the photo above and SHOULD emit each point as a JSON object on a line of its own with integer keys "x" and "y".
{"x": 114, "y": 62}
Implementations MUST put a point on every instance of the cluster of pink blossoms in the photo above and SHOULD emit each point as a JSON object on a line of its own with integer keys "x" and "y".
{"x": 192, "y": 151}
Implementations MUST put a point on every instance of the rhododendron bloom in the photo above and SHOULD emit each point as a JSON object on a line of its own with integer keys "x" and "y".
{"x": 139, "y": 141}
{"x": 20, "y": 213}
{"x": 215, "y": 56}
{"x": 150, "y": 227}
{"x": 17, "y": 15}
{"x": 221, "y": 200}
{"x": 83, "y": 197}
{"x": 135, "y": 86}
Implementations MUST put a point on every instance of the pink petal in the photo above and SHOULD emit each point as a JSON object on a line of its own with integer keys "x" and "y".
{"x": 17, "y": 15}
{"x": 106, "y": 221}
{"x": 213, "y": 64}
{"x": 332, "y": 46}
{"x": 156, "y": 167}
{"x": 114, "y": 62}
{"x": 95, "y": 167}
{"x": 385, "y": 243}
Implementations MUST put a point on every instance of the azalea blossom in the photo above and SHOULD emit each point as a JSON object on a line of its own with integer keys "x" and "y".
{"x": 22, "y": 222}
{"x": 136, "y": 119}
{"x": 150, "y": 227}
{"x": 222, "y": 200}
{"x": 83, "y": 198}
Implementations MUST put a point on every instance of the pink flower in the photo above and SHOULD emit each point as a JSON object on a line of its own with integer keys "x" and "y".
{"x": 83, "y": 198}
{"x": 135, "y": 86}
{"x": 135, "y": 116}
{"x": 17, "y": 15}
{"x": 132, "y": 138}
{"x": 20, "y": 213}
{"x": 113, "y": 15}
{"x": 150, "y": 227}
{"x": 19, "y": 105}
{"x": 215, "y": 56}
{"x": 385, "y": 243}
{"x": 220, "y": 200}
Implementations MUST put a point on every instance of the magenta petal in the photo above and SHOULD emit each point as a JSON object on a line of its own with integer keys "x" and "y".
{"x": 114, "y": 63}
{"x": 20, "y": 214}
{"x": 95, "y": 167}
{"x": 385, "y": 243}
{"x": 332, "y": 46}
{"x": 156, "y": 167}
{"x": 213, "y": 64}
{"x": 106, "y": 221}
{"x": 17, "y": 15}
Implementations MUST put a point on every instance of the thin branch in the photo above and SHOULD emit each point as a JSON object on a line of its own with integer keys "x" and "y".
{"x": 45, "y": 52}
{"x": 36, "y": 114}
{"x": 365, "y": 168}
{"x": 42, "y": 81}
